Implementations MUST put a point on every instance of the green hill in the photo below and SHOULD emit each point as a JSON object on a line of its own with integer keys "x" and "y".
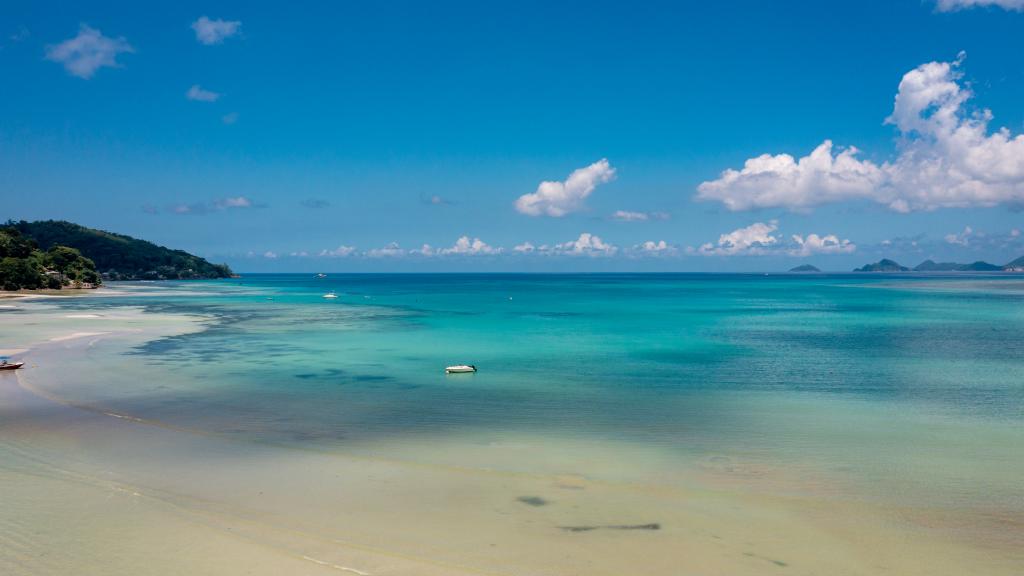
{"x": 24, "y": 266}
{"x": 120, "y": 257}
{"x": 1017, "y": 264}
{"x": 933, "y": 266}
{"x": 979, "y": 266}
{"x": 884, "y": 265}
{"x": 805, "y": 268}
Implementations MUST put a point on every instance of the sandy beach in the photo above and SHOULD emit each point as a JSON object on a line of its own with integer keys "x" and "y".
{"x": 91, "y": 490}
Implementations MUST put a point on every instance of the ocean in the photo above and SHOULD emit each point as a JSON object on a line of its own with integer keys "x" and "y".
{"x": 902, "y": 395}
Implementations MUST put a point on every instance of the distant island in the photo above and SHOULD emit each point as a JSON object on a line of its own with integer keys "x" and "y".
{"x": 883, "y": 265}
{"x": 805, "y": 268}
{"x": 886, "y": 265}
{"x": 56, "y": 254}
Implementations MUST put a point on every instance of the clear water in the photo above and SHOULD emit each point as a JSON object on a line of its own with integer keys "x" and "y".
{"x": 902, "y": 388}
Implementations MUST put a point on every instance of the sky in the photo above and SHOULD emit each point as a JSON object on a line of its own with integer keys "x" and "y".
{"x": 522, "y": 136}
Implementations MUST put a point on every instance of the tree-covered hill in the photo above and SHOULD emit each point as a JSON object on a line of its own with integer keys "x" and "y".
{"x": 120, "y": 257}
{"x": 24, "y": 266}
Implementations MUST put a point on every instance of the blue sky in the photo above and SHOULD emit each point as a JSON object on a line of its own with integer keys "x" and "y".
{"x": 345, "y": 136}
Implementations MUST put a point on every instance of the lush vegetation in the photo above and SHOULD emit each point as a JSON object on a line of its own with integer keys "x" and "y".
{"x": 120, "y": 257}
{"x": 932, "y": 266}
{"x": 24, "y": 266}
{"x": 883, "y": 265}
{"x": 805, "y": 268}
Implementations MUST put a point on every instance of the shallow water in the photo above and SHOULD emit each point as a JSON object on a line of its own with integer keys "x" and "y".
{"x": 852, "y": 392}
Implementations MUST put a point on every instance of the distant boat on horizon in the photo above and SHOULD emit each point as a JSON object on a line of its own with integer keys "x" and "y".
{"x": 321, "y": 275}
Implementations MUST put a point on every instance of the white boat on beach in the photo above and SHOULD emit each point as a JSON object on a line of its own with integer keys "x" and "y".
{"x": 460, "y": 369}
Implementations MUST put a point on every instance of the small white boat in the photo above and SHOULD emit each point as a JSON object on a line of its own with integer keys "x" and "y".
{"x": 330, "y": 295}
{"x": 5, "y": 365}
{"x": 460, "y": 369}
{"x": 321, "y": 275}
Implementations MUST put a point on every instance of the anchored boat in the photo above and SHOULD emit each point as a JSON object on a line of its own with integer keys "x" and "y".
{"x": 5, "y": 365}
{"x": 460, "y": 369}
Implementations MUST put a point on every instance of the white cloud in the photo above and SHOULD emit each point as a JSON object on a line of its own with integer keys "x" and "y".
{"x": 820, "y": 177}
{"x": 465, "y": 246}
{"x": 233, "y": 202}
{"x": 524, "y": 248}
{"x": 947, "y": 158}
{"x": 339, "y": 252}
{"x": 270, "y": 255}
{"x": 952, "y": 5}
{"x": 198, "y": 94}
{"x": 652, "y": 248}
{"x": 389, "y": 251}
{"x": 215, "y": 31}
{"x": 216, "y": 205}
{"x": 758, "y": 239}
{"x": 229, "y": 118}
{"x": 1014, "y": 233}
{"x": 961, "y": 239}
{"x": 87, "y": 52}
{"x": 753, "y": 239}
{"x": 814, "y": 244}
{"x": 587, "y": 245}
{"x": 560, "y": 198}
{"x": 627, "y": 216}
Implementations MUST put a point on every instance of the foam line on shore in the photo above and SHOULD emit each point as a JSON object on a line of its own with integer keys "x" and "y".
{"x": 336, "y": 566}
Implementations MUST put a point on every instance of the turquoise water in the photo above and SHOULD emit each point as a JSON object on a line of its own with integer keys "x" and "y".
{"x": 907, "y": 387}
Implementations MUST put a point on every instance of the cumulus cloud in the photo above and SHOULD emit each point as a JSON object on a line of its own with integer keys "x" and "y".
{"x": 465, "y": 246}
{"x": 198, "y": 94}
{"x": 87, "y": 52}
{"x": 652, "y": 248}
{"x": 339, "y": 252}
{"x": 270, "y": 255}
{"x": 390, "y": 251}
{"x": 781, "y": 180}
{"x": 211, "y": 32}
{"x": 953, "y": 5}
{"x": 560, "y": 198}
{"x": 759, "y": 239}
{"x": 961, "y": 239}
{"x": 627, "y": 216}
{"x": 947, "y": 158}
{"x": 233, "y": 202}
{"x": 753, "y": 239}
{"x": 814, "y": 244}
{"x": 586, "y": 245}
{"x": 229, "y": 118}
{"x": 218, "y": 205}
